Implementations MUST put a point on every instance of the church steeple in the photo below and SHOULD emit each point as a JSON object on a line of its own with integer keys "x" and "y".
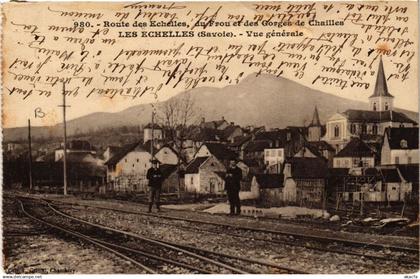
{"x": 314, "y": 129}
{"x": 381, "y": 99}
{"x": 315, "y": 118}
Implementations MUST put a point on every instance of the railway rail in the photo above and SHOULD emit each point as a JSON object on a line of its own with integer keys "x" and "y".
{"x": 138, "y": 249}
{"x": 223, "y": 226}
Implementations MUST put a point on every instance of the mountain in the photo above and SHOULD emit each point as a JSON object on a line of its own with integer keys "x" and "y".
{"x": 256, "y": 100}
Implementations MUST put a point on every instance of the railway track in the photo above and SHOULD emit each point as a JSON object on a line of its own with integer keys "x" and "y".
{"x": 223, "y": 228}
{"x": 149, "y": 254}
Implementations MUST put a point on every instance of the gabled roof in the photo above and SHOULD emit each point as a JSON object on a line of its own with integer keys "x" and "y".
{"x": 228, "y": 131}
{"x": 155, "y": 126}
{"x": 370, "y": 116}
{"x": 356, "y": 148}
{"x": 195, "y": 164}
{"x": 397, "y": 135}
{"x": 267, "y": 181}
{"x": 240, "y": 140}
{"x": 206, "y": 134}
{"x": 257, "y": 146}
{"x": 381, "y": 87}
{"x": 303, "y": 168}
{"x": 123, "y": 151}
{"x": 220, "y": 151}
{"x": 321, "y": 145}
{"x": 390, "y": 175}
{"x": 410, "y": 172}
{"x": 167, "y": 170}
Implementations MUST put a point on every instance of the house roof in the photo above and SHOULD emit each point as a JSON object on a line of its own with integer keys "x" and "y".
{"x": 356, "y": 148}
{"x": 167, "y": 170}
{"x": 410, "y": 172}
{"x": 195, "y": 164}
{"x": 381, "y": 87}
{"x": 207, "y": 134}
{"x": 397, "y": 135}
{"x": 308, "y": 167}
{"x": 257, "y": 146}
{"x": 220, "y": 151}
{"x": 370, "y": 116}
{"x": 267, "y": 181}
{"x": 155, "y": 126}
{"x": 76, "y": 157}
{"x": 321, "y": 145}
{"x": 229, "y": 130}
{"x": 390, "y": 175}
{"x": 122, "y": 152}
{"x": 240, "y": 140}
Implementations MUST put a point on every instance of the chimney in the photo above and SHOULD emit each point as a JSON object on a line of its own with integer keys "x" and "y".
{"x": 223, "y": 118}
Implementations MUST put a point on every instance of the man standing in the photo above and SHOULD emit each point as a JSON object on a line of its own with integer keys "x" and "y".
{"x": 233, "y": 186}
{"x": 155, "y": 185}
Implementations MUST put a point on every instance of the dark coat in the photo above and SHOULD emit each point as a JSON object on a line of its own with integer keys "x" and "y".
{"x": 155, "y": 177}
{"x": 233, "y": 180}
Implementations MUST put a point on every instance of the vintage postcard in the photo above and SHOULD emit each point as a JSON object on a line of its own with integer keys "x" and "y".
{"x": 210, "y": 137}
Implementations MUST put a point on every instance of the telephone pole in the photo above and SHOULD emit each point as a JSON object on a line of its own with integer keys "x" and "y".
{"x": 153, "y": 130}
{"x": 30, "y": 155}
{"x": 65, "y": 142}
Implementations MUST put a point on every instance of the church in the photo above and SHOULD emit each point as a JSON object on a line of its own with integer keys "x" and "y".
{"x": 368, "y": 125}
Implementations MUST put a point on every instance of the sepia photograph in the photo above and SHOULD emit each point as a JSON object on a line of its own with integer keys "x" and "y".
{"x": 210, "y": 138}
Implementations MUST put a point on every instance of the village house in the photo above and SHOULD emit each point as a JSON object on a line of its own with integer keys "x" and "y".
{"x": 341, "y": 127}
{"x": 167, "y": 155}
{"x": 238, "y": 145}
{"x": 304, "y": 181}
{"x": 172, "y": 181}
{"x": 205, "y": 175}
{"x": 126, "y": 171}
{"x": 75, "y": 147}
{"x": 218, "y": 150}
{"x": 400, "y": 146}
{"x": 217, "y": 124}
{"x": 382, "y": 184}
{"x": 267, "y": 189}
{"x": 355, "y": 154}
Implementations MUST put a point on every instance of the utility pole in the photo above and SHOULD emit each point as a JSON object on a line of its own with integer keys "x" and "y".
{"x": 153, "y": 130}
{"x": 65, "y": 142}
{"x": 30, "y": 155}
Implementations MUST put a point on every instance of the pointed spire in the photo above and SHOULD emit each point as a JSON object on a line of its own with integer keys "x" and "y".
{"x": 315, "y": 118}
{"x": 381, "y": 88}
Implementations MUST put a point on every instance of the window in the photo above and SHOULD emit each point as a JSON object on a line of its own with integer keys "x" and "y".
{"x": 353, "y": 128}
{"x": 138, "y": 160}
{"x": 279, "y": 153}
{"x": 375, "y": 129}
{"x": 338, "y": 163}
{"x": 273, "y": 153}
{"x": 374, "y": 106}
{"x": 397, "y": 160}
{"x": 192, "y": 180}
{"x": 267, "y": 153}
{"x": 386, "y": 106}
{"x": 409, "y": 160}
{"x": 133, "y": 165}
{"x": 401, "y": 125}
{"x": 336, "y": 131}
{"x": 126, "y": 160}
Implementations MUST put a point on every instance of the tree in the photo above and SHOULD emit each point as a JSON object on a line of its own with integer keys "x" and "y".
{"x": 177, "y": 114}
